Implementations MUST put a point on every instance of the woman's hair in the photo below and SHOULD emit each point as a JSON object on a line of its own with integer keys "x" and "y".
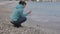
{"x": 22, "y": 2}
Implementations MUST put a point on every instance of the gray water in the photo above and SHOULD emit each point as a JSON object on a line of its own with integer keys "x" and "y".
{"x": 45, "y": 8}
{"x": 45, "y": 14}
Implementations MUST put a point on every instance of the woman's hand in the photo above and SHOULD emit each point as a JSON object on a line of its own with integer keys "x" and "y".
{"x": 29, "y": 12}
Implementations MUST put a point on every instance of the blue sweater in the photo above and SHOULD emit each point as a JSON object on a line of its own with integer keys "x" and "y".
{"x": 17, "y": 12}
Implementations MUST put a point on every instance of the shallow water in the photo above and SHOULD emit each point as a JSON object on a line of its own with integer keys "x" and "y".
{"x": 46, "y": 14}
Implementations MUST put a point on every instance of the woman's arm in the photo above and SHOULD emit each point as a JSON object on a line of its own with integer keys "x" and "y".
{"x": 27, "y": 13}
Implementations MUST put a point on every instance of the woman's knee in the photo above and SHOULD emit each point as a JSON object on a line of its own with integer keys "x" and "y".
{"x": 24, "y": 20}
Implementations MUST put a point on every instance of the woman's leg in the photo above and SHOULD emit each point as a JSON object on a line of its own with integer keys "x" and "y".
{"x": 22, "y": 20}
{"x": 15, "y": 23}
{"x": 19, "y": 22}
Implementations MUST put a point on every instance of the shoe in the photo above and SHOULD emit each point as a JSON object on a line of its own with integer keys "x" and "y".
{"x": 18, "y": 26}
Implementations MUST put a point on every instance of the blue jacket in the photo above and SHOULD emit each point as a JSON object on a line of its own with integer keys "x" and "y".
{"x": 17, "y": 12}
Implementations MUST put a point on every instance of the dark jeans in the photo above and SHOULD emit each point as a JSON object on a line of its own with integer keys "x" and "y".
{"x": 19, "y": 21}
